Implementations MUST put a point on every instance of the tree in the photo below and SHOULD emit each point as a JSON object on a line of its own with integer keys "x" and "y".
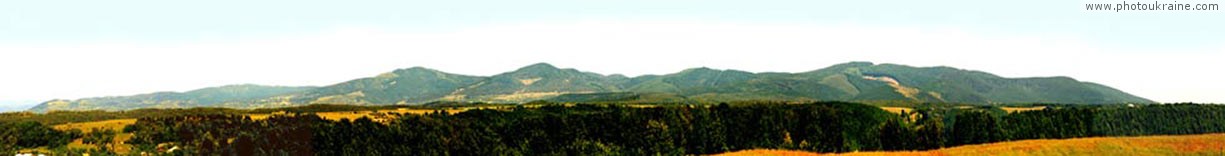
{"x": 103, "y": 137}
{"x": 975, "y": 127}
{"x": 895, "y": 135}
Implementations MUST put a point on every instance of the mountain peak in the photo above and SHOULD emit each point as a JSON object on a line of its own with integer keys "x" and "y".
{"x": 855, "y": 64}
{"x": 415, "y": 69}
{"x": 700, "y": 69}
{"x": 539, "y": 68}
{"x": 708, "y": 70}
{"x": 540, "y": 65}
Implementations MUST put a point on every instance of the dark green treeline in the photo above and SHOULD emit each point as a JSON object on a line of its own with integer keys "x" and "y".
{"x": 674, "y": 130}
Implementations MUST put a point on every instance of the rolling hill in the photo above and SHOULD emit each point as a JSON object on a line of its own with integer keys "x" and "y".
{"x": 853, "y": 81}
{"x": 205, "y": 97}
{"x": 402, "y": 86}
{"x": 537, "y": 81}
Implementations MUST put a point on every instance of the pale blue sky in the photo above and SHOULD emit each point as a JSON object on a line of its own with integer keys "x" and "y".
{"x": 47, "y": 40}
{"x": 58, "y": 21}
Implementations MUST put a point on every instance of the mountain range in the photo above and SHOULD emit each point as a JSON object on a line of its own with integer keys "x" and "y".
{"x": 853, "y": 81}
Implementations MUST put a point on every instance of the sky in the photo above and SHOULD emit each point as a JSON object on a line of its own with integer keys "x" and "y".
{"x": 68, "y": 49}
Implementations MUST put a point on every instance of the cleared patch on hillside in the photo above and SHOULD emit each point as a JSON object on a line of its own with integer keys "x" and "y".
{"x": 528, "y": 82}
{"x": 350, "y": 98}
{"x": 909, "y": 92}
{"x": 518, "y": 96}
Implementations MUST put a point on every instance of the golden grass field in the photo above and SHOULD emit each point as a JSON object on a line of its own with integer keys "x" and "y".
{"x": 1203, "y": 144}
{"x": 122, "y": 148}
{"x": 898, "y": 110}
{"x": 377, "y": 115}
{"x": 86, "y": 127}
{"x": 1022, "y": 109}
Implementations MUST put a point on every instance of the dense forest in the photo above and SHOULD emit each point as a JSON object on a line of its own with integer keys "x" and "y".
{"x": 588, "y": 129}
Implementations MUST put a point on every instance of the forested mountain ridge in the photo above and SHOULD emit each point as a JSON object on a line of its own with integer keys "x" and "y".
{"x": 536, "y": 81}
{"x": 402, "y": 86}
{"x": 853, "y": 81}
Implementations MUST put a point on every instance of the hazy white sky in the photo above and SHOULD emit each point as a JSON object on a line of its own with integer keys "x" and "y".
{"x": 50, "y": 50}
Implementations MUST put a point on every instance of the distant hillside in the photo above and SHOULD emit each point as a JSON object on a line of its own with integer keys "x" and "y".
{"x": 537, "y": 81}
{"x": 207, "y": 97}
{"x": 853, "y": 81}
{"x": 864, "y": 81}
{"x": 404, "y": 86}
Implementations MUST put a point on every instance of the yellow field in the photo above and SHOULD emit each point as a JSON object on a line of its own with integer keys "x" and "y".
{"x": 382, "y": 115}
{"x": 1204, "y": 144}
{"x": 377, "y": 115}
{"x": 122, "y": 148}
{"x": 1022, "y": 109}
{"x": 86, "y": 127}
{"x": 897, "y": 110}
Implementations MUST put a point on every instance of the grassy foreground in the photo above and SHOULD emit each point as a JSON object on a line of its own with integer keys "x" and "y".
{"x": 1203, "y": 144}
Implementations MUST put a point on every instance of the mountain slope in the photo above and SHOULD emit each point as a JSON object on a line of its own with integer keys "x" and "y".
{"x": 690, "y": 80}
{"x": 533, "y": 82}
{"x": 403, "y": 86}
{"x": 865, "y": 81}
{"x": 964, "y": 86}
{"x": 853, "y": 81}
{"x": 206, "y": 97}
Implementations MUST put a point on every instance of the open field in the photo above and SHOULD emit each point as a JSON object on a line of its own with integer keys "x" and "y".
{"x": 898, "y": 110}
{"x": 1022, "y": 109}
{"x": 86, "y": 127}
{"x": 1203, "y": 144}
{"x": 121, "y": 147}
{"x": 383, "y": 115}
{"x": 379, "y": 114}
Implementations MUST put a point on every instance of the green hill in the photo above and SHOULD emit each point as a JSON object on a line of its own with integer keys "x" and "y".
{"x": 403, "y": 86}
{"x": 534, "y": 82}
{"x": 206, "y": 97}
{"x": 864, "y": 81}
{"x": 853, "y": 81}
